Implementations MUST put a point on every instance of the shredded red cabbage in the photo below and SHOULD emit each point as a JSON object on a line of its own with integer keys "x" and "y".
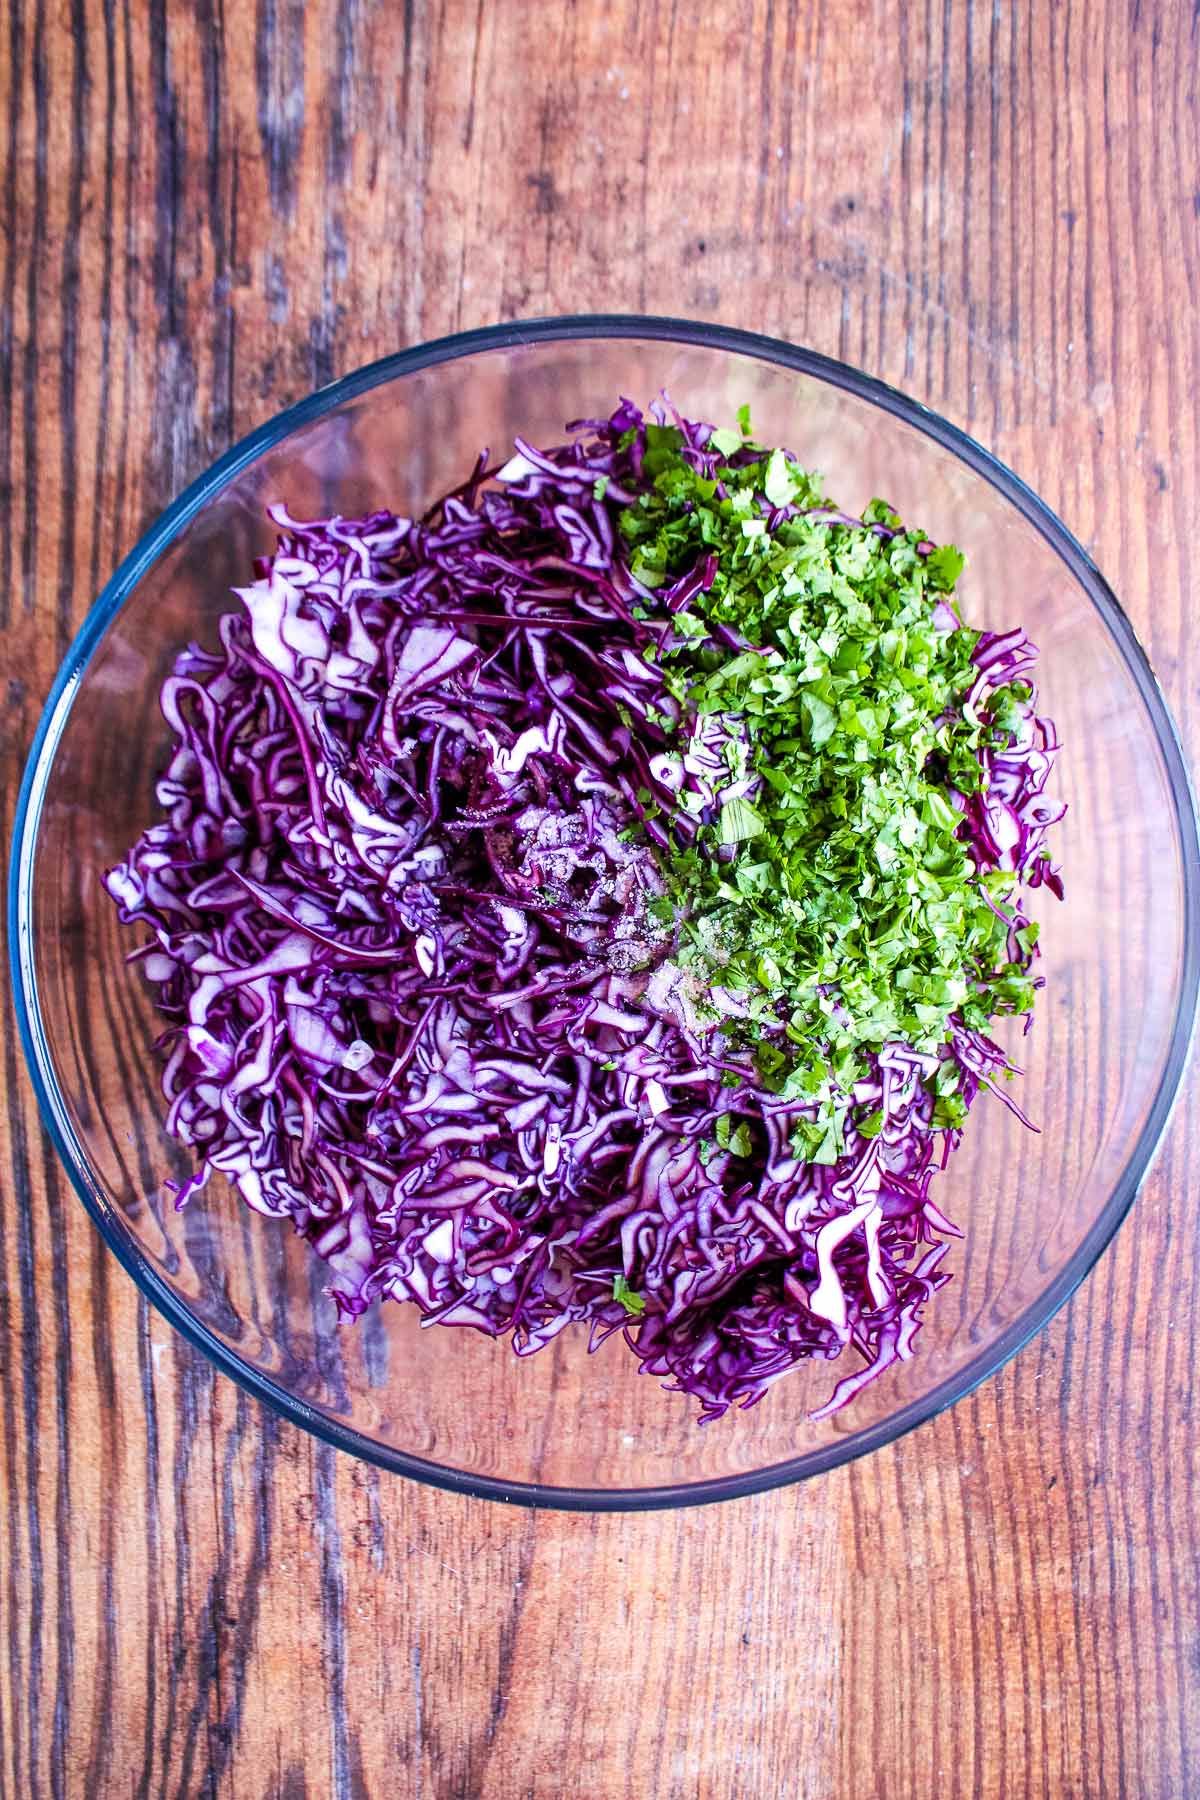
{"x": 399, "y": 913}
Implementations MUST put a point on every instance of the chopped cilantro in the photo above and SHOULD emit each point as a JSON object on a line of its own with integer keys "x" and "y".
{"x": 944, "y": 566}
{"x": 828, "y": 888}
{"x": 726, "y": 442}
{"x": 739, "y": 821}
{"x": 633, "y": 1302}
{"x": 733, "y": 1134}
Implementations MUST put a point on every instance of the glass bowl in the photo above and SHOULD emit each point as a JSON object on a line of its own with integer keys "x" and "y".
{"x": 562, "y": 1428}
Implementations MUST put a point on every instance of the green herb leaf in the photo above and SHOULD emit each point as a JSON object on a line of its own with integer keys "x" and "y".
{"x": 777, "y": 482}
{"x": 633, "y": 1302}
{"x": 944, "y": 566}
{"x": 739, "y": 821}
{"x": 740, "y": 1141}
{"x": 726, "y": 442}
{"x": 733, "y": 1134}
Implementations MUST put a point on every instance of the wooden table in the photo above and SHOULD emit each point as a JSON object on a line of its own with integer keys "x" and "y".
{"x": 207, "y": 211}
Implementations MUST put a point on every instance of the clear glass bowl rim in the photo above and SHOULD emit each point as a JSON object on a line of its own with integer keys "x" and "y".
{"x": 150, "y": 547}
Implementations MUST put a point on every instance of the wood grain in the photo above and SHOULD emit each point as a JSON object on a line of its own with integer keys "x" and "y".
{"x": 209, "y": 209}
